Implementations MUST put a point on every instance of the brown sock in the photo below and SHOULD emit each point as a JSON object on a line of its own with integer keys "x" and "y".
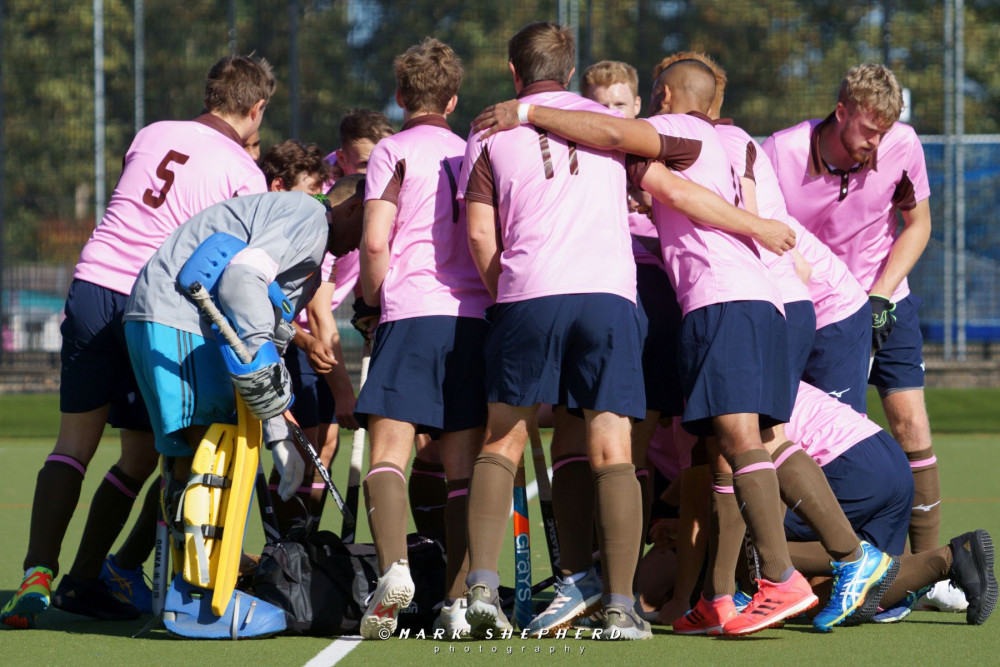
{"x": 490, "y": 491}
{"x": 109, "y": 511}
{"x": 57, "y": 491}
{"x": 810, "y": 558}
{"x": 805, "y": 489}
{"x": 428, "y": 496}
{"x": 925, "y": 517}
{"x": 573, "y": 507}
{"x": 619, "y": 524}
{"x": 456, "y": 538}
{"x": 316, "y": 500}
{"x": 917, "y": 571}
{"x": 646, "y": 488}
{"x": 385, "y": 500}
{"x": 293, "y": 511}
{"x": 726, "y": 538}
{"x": 756, "y": 486}
{"x": 141, "y": 541}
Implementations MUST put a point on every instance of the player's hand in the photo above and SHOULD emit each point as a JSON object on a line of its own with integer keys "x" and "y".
{"x": 344, "y": 403}
{"x": 320, "y": 356}
{"x": 264, "y": 383}
{"x": 774, "y": 235}
{"x": 499, "y": 117}
{"x": 365, "y": 319}
{"x": 883, "y": 320}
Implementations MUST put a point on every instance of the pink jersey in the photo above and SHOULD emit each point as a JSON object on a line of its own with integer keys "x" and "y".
{"x": 345, "y": 275}
{"x": 645, "y": 241}
{"x": 670, "y": 449}
{"x": 562, "y": 207}
{"x": 705, "y": 265}
{"x": 825, "y": 427}
{"x": 742, "y": 152}
{"x": 853, "y": 211}
{"x": 172, "y": 170}
{"x": 431, "y": 271}
{"x": 835, "y": 293}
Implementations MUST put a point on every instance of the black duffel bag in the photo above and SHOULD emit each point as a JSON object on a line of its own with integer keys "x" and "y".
{"x": 323, "y": 584}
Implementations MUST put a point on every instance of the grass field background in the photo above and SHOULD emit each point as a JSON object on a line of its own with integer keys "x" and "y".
{"x": 967, "y": 443}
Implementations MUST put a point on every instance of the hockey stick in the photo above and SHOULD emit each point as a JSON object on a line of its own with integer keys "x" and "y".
{"x": 544, "y": 495}
{"x": 304, "y": 444}
{"x": 522, "y": 551}
{"x": 357, "y": 458}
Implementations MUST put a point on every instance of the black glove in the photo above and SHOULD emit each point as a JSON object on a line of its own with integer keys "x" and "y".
{"x": 365, "y": 319}
{"x": 882, "y": 320}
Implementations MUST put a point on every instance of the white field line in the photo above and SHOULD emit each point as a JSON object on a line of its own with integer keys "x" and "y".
{"x": 333, "y": 653}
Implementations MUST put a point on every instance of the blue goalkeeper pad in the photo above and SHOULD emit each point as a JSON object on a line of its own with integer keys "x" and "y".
{"x": 188, "y": 613}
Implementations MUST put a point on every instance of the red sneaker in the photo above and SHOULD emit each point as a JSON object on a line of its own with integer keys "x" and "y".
{"x": 707, "y": 617}
{"x": 772, "y": 604}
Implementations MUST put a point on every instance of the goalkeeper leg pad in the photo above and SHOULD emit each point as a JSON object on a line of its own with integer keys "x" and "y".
{"x": 188, "y": 613}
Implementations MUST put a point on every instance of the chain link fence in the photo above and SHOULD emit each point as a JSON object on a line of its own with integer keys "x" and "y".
{"x": 74, "y": 90}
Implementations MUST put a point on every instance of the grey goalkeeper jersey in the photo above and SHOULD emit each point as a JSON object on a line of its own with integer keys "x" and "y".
{"x": 286, "y": 235}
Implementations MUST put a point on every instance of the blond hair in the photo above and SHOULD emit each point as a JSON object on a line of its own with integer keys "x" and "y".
{"x": 607, "y": 73}
{"x": 873, "y": 89}
{"x": 428, "y": 75}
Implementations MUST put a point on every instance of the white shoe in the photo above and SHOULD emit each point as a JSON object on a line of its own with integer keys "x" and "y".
{"x": 943, "y": 596}
{"x": 394, "y": 592}
{"x": 451, "y": 619}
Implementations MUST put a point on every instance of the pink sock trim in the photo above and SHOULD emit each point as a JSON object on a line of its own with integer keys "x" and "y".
{"x": 723, "y": 489}
{"x": 68, "y": 460}
{"x": 118, "y": 484}
{"x": 458, "y": 492}
{"x": 642, "y": 473}
{"x": 923, "y": 463}
{"x": 561, "y": 463}
{"x": 785, "y": 454}
{"x": 754, "y": 467}
{"x": 378, "y": 470}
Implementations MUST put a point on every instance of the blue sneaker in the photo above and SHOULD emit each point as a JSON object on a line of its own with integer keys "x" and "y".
{"x": 900, "y": 610}
{"x": 129, "y": 585}
{"x": 571, "y": 602}
{"x": 741, "y": 600}
{"x": 851, "y": 585}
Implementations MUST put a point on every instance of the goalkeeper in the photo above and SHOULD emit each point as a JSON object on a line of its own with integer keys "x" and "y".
{"x": 181, "y": 373}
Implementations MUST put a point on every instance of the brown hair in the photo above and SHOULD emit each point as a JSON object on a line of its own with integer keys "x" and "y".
{"x": 608, "y": 73}
{"x": 346, "y": 187}
{"x": 358, "y": 124}
{"x": 428, "y": 75}
{"x": 705, "y": 59}
{"x": 236, "y": 83}
{"x": 290, "y": 159}
{"x": 542, "y": 51}
{"x": 873, "y": 89}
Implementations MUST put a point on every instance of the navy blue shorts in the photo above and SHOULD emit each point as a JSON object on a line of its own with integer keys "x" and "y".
{"x": 660, "y": 330}
{"x": 899, "y": 364}
{"x": 427, "y": 371}
{"x": 95, "y": 364}
{"x": 313, "y": 399}
{"x": 578, "y": 350}
{"x": 838, "y": 363}
{"x": 800, "y": 318}
{"x": 734, "y": 359}
{"x": 874, "y": 486}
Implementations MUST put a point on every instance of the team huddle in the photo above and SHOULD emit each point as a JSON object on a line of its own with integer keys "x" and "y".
{"x": 697, "y": 316}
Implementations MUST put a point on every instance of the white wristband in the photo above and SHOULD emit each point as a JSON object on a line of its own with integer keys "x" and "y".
{"x": 522, "y": 113}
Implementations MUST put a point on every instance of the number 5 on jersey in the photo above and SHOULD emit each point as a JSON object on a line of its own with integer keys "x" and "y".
{"x": 167, "y": 176}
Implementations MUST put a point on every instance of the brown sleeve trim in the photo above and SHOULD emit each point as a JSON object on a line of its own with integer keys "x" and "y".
{"x": 482, "y": 186}
{"x": 636, "y": 168}
{"x": 750, "y": 161}
{"x": 677, "y": 153}
{"x": 391, "y": 192}
{"x": 904, "y": 197}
